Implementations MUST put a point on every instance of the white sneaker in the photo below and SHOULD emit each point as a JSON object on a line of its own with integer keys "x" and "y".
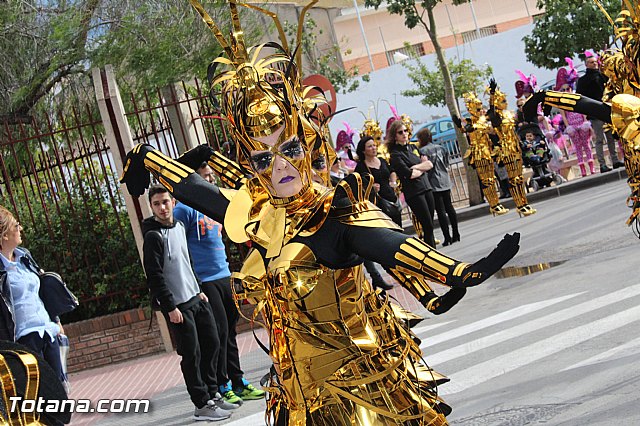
{"x": 220, "y": 402}
{"x": 210, "y": 412}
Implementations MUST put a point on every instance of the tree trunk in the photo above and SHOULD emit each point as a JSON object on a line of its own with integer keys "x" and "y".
{"x": 473, "y": 184}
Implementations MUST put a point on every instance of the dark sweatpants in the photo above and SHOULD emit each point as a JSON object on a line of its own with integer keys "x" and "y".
{"x": 226, "y": 315}
{"x": 198, "y": 344}
{"x": 445, "y": 209}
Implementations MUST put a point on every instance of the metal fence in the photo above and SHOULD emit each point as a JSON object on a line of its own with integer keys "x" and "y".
{"x": 57, "y": 177}
{"x": 168, "y": 118}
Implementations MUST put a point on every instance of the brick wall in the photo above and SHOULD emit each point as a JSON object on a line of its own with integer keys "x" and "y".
{"x": 112, "y": 338}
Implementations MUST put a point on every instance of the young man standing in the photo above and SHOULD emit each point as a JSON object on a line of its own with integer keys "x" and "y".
{"x": 173, "y": 284}
{"x": 204, "y": 237}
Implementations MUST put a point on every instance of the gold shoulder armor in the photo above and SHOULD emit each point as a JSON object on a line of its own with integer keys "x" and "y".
{"x": 352, "y": 206}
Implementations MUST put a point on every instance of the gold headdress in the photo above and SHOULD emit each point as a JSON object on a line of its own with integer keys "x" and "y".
{"x": 473, "y": 103}
{"x": 263, "y": 97}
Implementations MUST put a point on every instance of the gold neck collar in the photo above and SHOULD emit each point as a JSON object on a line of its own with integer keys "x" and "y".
{"x": 302, "y": 199}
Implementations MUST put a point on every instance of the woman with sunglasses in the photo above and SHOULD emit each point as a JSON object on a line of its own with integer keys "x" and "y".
{"x": 412, "y": 171}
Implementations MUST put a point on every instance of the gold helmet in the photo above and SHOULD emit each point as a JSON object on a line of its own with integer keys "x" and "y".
{"x": 372, "y": 128}
{"x": 263, "y": 99}
{"x": 473, "y": 104}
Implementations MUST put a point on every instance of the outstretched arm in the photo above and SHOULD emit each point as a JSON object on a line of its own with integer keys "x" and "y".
{"x": 414, "y": 263}
{"x": 186, "y": 185}
{"x": 567, "y": 102}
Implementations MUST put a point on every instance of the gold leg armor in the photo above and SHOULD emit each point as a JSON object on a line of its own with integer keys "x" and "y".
{"x": 484, "y": 168}
{"x": 513, "y": 164}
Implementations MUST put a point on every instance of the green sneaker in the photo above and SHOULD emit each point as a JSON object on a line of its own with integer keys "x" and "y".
{"x": 249, "y": 392}
{"x": 231, "y": 397}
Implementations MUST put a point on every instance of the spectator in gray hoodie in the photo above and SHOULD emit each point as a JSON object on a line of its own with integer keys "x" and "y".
{"x": 441, "y": 184}
{"x": 176, "y": 288}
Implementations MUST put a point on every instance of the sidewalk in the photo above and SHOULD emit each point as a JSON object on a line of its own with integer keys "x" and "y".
{"x": 159, "y": 378}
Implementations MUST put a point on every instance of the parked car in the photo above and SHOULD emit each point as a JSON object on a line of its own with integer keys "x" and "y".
{"x": 443, "y": 132}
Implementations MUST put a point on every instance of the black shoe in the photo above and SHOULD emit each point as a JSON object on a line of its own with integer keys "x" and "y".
{"x": 604, "y": 169}
{"x": 456, "y": 238}
{"x": 382, "y": 285}
{"x": 618, "y": 164}
{"x": 447, "y": 242}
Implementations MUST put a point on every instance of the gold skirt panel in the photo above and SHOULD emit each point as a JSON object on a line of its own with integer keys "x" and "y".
{"x": 340, "y": 354}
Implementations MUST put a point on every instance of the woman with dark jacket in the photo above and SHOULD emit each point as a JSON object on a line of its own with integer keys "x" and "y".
{"x": 23, "y": 316}
{"x": 369, "y": 163}
{"x": 411, "y": 169}
{"x": 384, "y": 179}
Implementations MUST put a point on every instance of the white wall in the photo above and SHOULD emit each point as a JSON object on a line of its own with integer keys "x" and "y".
{"x": 503, "y": 51}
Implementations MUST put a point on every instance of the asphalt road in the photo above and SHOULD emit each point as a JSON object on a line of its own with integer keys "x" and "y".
{"x": 556, "y": 347}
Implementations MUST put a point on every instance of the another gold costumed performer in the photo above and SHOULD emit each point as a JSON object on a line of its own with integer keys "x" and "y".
{"x": 481, "y": 153}
{"x": 509, "y": 151}
{"x": 340, "y": 355}
{"x": 620, "y": 105}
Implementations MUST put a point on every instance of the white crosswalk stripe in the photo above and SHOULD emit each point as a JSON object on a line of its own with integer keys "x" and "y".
{"x": 493, "y": 320}
{"x": 497, "y": 366}
{"x": 527, "y": 327}
{"x": 626, "y": 349}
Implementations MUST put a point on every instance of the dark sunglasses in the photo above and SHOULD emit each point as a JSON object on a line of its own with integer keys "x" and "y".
{"x": 402, "y": 131}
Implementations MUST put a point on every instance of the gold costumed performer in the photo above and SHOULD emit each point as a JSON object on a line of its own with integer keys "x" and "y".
{"x": 508, "y": 152}
{"x": 340, "y": 355}
{"x": 481, "y": 153}
{"x": 620, "y": 105}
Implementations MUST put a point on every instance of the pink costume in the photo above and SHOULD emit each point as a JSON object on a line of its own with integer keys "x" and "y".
{"x": 344, "y": 141}
{"x": 578, "y": 127}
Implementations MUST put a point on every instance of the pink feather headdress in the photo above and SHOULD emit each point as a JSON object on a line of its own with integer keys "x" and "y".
{"x": 395, "y": 116}
{"x": 525, "y": 84}
{"x": 564, "y": 76}
{"x": 345, "y": 137}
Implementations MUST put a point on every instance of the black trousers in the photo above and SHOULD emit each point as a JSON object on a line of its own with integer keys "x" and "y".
{"x": 445, "y": 210}
{"x": 423, "y": 206}
{"x": 226, "y": 315}
{"x": 198, "y": 344}
{"x": 48, "y": 350}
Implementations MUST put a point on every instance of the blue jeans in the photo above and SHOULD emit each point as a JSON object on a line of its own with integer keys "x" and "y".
{"x": 47, "y": 349}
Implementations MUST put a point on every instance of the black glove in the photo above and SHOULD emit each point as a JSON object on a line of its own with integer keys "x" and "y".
{"x": 447, "y": 300}
{"x": 481, "y": 270}
{"x": 196, "y": 156}
{"x": 457, "y": 121}
{"x": 530, "y": 106}
{"x": 493, "y": 85}
{"x": 135, "y": 175}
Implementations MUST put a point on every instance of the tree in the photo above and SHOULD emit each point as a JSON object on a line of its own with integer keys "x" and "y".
{"x": 414, "y": 14}
{"x": 48, "y": 48}
{"x": 428, "y": 84}
{"x": 326, "y": 63}
{"x": 567, "y": 28}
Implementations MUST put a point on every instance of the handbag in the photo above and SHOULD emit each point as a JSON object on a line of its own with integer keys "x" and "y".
{"x": 55, "y": 295}
{"x": 389, "y": 208}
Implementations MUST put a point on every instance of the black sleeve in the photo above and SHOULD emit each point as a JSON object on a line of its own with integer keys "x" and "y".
{"x": 202, "y": 196}
{"x": 153, "y": 260}
{"x": 361, "y": 168}
{"x": 402, "y": 170}
{"x": 383, "y": 252}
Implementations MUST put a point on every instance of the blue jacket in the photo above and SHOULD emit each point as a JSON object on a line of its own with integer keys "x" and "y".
{"x": 204, "y": 237}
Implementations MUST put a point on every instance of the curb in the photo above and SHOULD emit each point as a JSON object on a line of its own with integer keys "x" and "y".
{"x": 576, "y": 185}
